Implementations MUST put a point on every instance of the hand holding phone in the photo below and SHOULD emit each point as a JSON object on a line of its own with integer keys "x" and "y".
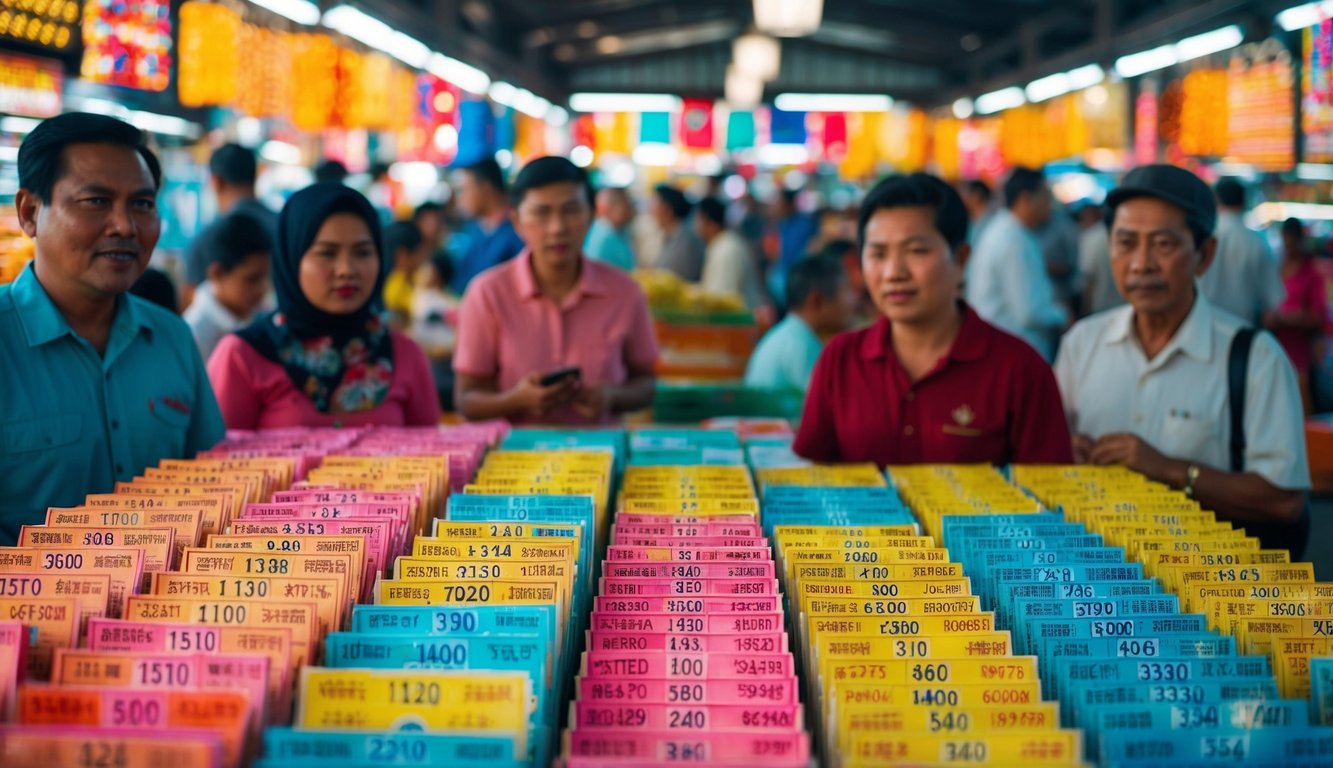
{"x": 560, "y": 375}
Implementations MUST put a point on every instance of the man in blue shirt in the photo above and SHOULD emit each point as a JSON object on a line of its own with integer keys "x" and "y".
{"x": 795, "y": 229}
{"x": 97, "y": 384}
{"x": 488, "y": 238}
{"x": 608, "y": 238}
{"x": 822, "y": 304}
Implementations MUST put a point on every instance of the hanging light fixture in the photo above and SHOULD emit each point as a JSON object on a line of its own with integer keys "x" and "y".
{"x": 788, "y": 18}
{"x": 743, "y": 91}
{"x": 756, "y": 55}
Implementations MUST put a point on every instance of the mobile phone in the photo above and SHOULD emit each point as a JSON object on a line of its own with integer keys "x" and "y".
{"x": 555, "y": 377}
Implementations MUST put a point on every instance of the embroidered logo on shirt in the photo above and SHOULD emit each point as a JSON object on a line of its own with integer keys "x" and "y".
{"x": 176, "y": 405}
{"x": 963, "y": 417}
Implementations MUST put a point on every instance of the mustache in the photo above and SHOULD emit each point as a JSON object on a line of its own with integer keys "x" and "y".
{"x": 1135, "y": 284}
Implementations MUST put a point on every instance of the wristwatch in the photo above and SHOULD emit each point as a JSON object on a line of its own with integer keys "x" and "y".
{"x": 1191, "y": 477}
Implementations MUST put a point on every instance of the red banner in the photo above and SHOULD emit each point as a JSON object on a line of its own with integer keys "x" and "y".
{"x": 696, "y": 124}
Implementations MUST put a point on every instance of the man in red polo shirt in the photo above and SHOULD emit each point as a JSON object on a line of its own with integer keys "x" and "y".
{"x": 930, "y": 382}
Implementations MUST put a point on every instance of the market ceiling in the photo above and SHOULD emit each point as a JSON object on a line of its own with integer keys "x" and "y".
{"x": 927, "y": 52}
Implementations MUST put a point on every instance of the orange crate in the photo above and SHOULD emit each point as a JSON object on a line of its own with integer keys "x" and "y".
{"x": 711, "y": 352}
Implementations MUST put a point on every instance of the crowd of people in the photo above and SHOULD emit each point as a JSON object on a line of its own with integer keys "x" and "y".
{"x": 931, "y": 326}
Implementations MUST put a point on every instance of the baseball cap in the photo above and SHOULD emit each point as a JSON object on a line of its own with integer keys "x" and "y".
{"x": 1173, "y": 184}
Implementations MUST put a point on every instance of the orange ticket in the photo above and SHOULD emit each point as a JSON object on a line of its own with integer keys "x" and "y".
{"x": 44, "y": 746}
{"x": 242, "y": 563}
{"x": 57, "y": 623}
{"x": 270, "y": 643}
{"x": 158, "y": 544}
{"x": 214, "y": 507}
{"x": 281, "y": 469}
{"x": 124, "y": 567}
{"x": 91, "y": 590}
{"x": 224, "y": 712}
{"x": 187, "y": 523}
{"x": 365, "y": 563}
{"x": 253, "y": 482}
{"x": 322, "y": 592}
{"x": 232, "y": 495}
{"x": 301, "y": 618}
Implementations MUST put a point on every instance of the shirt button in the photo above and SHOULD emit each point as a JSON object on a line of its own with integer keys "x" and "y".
{"x": 908, "y": 431}
{"x": 120, "y": 469}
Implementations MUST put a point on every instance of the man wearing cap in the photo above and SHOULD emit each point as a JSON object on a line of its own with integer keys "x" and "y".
{"x": 1147, "y": 386}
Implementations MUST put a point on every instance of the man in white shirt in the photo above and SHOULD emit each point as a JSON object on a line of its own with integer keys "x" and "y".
{"x": 729, "y": 265}
{"x": 1146, "y": 385}
{"x": 1244, "y": 279}
{"x": 1007, "y": 282}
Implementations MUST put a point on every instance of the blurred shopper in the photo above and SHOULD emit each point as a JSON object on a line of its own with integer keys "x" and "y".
{"x": 407, "y": 248}
{"x": 1149, "y": 385}
{"x": 1244, "y": 278}
{"x": 682, "y": 250}
{"x": 1059, "y": 251}
{"x": 980, "y": 202}
{"x": 553, "y": 336}
{"x": 325, "y": 358}
{"x": 930, "y": 381}
{"x": 232, "y": 174}
{"x": 1299, "y": 320}
{"x": 97, "y": 384}
{"x": 729, "y": 264}
{"x": 239, "y": 263}
{"x": 433, "y": 223}
{"x": 793, "y": 229}
{"x": 331, "y": 172}
{"x": 488, "y": 238}
{"x": 609, "y": 237}
{"x": 1096, "y": 284}
{"x": 156, "y": 286}
{"x": 821, "y": 303}
{"x": 1007, "y": 282}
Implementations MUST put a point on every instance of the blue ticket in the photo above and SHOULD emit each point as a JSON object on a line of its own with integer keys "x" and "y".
{"x": 1237, "y": 715}
{"x": 1321, "y": 689}
{"x": 1028, "y": 609}
{"x": 1204, "y": 646}
{"x": 1071, "y": 672}
{"x": 969, "y": 548}
{"x": 987, "y": 561}
{"x": 1309, "y": 745}
{"x": 1010, "y": 591}
{"x": 288, "y": 748}
{"x": 456, "y": 620}
{"x": 957, "y": 530}
{"x": 1059, "y": 573}
{"x": 1128, "y": 627}
{"x": 1083, "y": 698}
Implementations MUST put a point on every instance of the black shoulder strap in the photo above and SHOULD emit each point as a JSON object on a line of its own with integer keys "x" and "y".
{"x": 1238, "y": 366}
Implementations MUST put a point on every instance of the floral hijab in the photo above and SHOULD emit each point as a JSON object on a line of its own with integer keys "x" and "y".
{"x": 343, "y": 363}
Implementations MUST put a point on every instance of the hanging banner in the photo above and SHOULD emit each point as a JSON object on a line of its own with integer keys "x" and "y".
{"x": 1261, "y": 115}
{"x": 696, "y": 124}
{"x": 51, "y": 25}
{"x": 1145, "y": 126}
{"x": 209, "y": 58}
{"x": 786, "y": 127}
{"x": 315, "y": 67}
{"x": 1204, "y": 97}
{"x": 833, "y": 137}
{"x": 740, "y": 130}
{"x": 655, "y": 128}
{"x": 476, "y": 132}
{"x": 1317, "y": 92}
{"x": 30, "y": 87}
{"x": 127, "y": 44}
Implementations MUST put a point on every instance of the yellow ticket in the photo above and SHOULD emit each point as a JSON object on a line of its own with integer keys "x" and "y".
{"x": 355, "y": 546}
{"x": 948, "y": 721}
{"x": 1291, "y": 663}
{"x": 1258, "y": 637}
{"x": 513, "y": 550}
{"x": 1052, "y": 747}
{"x": 322, "y": 592}
{"x": 446, "y": 530}
{"x": 846, "y": 571}
{"x": 421, "y": 699}
{"x": 781, "y": 532}
{"x": 891, "y": 626}
{"x": 123, "y": 567}
{"x": 417, "y": 568}
{"x": 925, "y": 588}
{"x": 158, "y": 544}
{"x": 214, "y": 507}
{"x": 301, "y": 618}
{"x": 854, "y": 543}
{"x": 241, "y": 563}
{"x": 962, "y": 671}
{"x": 890, "y": 606}
{"x": 988, "y": 644}
{"x": 433, "y": 592}
{"x": 842, "y": 696}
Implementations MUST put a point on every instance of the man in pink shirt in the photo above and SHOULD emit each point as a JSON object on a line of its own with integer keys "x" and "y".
{"x": 552, "y": 336}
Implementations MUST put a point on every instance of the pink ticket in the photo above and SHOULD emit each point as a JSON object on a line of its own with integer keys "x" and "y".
{"x": 14, "y": 641}
{"x": 692, "y": 717}
{"x": 616, "y": 553}
{"x": 678, "y": 587}
{"x": 106, "y": 669}
{"x": 685, "y": 605}
{"x": 691, "y": 666}
{"x": 317, "y": 511}
{"x": 384, "y": 536}
{"x": 639, "y": 518}
{"x": 688, "y": 542}
{"x": 671, "y": 529}
{"x": 44, "y": 746}
{"x": 346, "y": 496}
{"x": 715, "y": 748}
{"x": 727, "y": 643}
{"x": 710, "y": 623}
{"x": 749, "y": 570}
{"x": 663, "y": 691}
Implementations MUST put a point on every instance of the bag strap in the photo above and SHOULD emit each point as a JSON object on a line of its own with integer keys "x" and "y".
{"x": 1238, "y": 366}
